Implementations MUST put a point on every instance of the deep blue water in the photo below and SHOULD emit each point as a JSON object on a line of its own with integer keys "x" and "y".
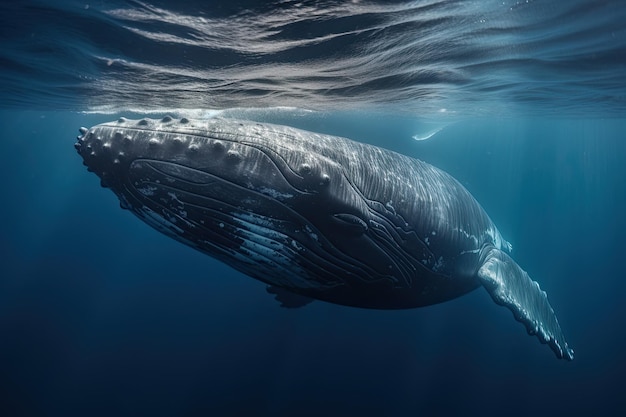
{"x": 100, "y": 315}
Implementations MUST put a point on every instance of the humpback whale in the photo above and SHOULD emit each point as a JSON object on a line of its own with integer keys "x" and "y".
{"x": 315, "y": 216}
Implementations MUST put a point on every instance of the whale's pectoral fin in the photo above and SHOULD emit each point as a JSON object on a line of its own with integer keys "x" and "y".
{"x": 287, "y": 298}
{"x": 510, "y": 286}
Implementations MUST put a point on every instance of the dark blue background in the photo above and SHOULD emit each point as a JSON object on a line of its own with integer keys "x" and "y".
{"x": 102, "y": 316}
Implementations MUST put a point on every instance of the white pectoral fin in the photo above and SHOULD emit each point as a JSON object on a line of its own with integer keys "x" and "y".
{"x": 510, "y": 286}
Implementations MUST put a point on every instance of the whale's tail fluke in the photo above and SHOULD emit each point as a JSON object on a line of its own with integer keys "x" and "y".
{"x": 510, "y": 286}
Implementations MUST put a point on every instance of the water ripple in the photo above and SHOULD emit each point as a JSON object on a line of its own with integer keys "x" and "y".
{"x": 489, "y": 57}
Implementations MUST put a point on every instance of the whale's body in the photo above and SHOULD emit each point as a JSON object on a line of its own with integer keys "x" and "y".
{"x": 314, "y": 215}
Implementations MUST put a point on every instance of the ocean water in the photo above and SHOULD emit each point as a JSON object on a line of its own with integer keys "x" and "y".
{"x": 524, "y": 102}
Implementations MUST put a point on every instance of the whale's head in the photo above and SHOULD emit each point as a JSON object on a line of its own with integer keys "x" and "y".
{"x": 118, "y": 150}
{"x": 196, "y": 181}
{"x": 221, "y": 187}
